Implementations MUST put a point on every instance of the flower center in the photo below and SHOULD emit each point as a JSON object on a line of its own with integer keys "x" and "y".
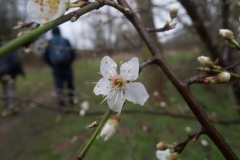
{"x": 48, "y": 6}
{"x": 117, "y": 81}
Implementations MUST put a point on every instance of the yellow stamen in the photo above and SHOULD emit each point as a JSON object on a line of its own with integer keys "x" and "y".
{"x": 46, "y": 18}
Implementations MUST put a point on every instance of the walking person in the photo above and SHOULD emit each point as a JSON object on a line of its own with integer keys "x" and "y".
{"x": 10, "y": 68}
{"x": 60, "y": 55}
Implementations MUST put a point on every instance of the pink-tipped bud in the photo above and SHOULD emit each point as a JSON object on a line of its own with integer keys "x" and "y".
{"x": 223, "y": 77}
{"x": 209, "y": 80}
{"x": 220, "y": 78}
{"x": 173, "y": 12}
{"x": 162, "y": 146}
{"x": 110, "y": 128}
{"x": 227, "y": 34}
{"x": 205, "y": 61}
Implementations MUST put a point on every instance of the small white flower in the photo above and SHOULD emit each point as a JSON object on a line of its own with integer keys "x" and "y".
{"x": 110, "y": 128}
{"x": 188, "y": 129}
{"x": 116, "y": 87}
{"x": 155, "y": 93}
{"x": 82, "y": 112}
{"x": 85, "y": 105}
{"x": 163, "y": 104}
{"x": 204, "y": 142}
{"x": 161, "y": 155}
{"x": 43, "y": 11}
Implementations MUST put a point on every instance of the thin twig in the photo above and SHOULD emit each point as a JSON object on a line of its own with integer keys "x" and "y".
{"x": 146, "y": 63}
{"x": 166, "y": 27}
{"x": 178, "y": 147}
{"x": 65, "y": 110}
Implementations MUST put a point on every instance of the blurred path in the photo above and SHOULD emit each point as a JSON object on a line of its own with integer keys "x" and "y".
{"x": 9, "y": 122}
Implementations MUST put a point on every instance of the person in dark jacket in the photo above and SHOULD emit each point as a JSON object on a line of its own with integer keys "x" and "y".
{"x": 10, "y": 68}
{"x": 60, "y": 55}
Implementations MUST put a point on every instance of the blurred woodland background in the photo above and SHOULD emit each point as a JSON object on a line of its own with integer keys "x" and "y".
{"x": 41, "y": 134}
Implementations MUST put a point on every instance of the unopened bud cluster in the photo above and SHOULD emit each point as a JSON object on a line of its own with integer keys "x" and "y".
{"x": 222, "y": 77}
{"x": 164, "y": 152}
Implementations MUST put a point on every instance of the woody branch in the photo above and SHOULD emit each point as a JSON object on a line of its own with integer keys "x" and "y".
{"x": 179, "y": 84}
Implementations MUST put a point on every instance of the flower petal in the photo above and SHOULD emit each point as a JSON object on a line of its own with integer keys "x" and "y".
{"x": 108, "y": 67}
{"x": 43, "y": 14}
{"x": 161, "y": 155}
{"x": 136, "y": 93}
{"x": 102, "y": 87}
{"x": 115, "y": 102}
{"x": 130, "y": 69}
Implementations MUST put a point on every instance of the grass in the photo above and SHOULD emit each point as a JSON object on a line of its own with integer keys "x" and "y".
{"x": 46, "y": 135}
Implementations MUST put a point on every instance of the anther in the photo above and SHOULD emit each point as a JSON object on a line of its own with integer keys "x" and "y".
{"x": 46, "y": 18}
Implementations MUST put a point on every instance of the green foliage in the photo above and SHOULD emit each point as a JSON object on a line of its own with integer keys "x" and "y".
{"x": 42, "y": 134}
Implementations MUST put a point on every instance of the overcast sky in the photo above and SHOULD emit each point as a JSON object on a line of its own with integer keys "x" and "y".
{"x": 78, "y": 34}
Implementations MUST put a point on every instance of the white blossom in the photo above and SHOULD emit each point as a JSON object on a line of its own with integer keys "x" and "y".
{"x": 43, "y": 11}
{"x": 82, "y": 112}
{"x": 118, "y": 87}
{"x": 85, "y": 105}
{"x": 204, "y": 142}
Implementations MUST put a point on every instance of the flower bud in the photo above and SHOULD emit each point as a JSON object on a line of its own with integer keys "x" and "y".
{"x": 206, "y": 61}
{"x": 173, "y": 12}
{"x": 162, "y": 146}
{"x": 223, "y": 77}
{"x": 209, "y": 80}
{"x": 110, "y": 128}
{"x": 227, "y": 34}
{"x": 167, "y": 155}
{"x": 173, "y": 156}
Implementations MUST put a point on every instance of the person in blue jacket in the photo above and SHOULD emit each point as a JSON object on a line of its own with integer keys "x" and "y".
{"x": 60, "y": 56}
